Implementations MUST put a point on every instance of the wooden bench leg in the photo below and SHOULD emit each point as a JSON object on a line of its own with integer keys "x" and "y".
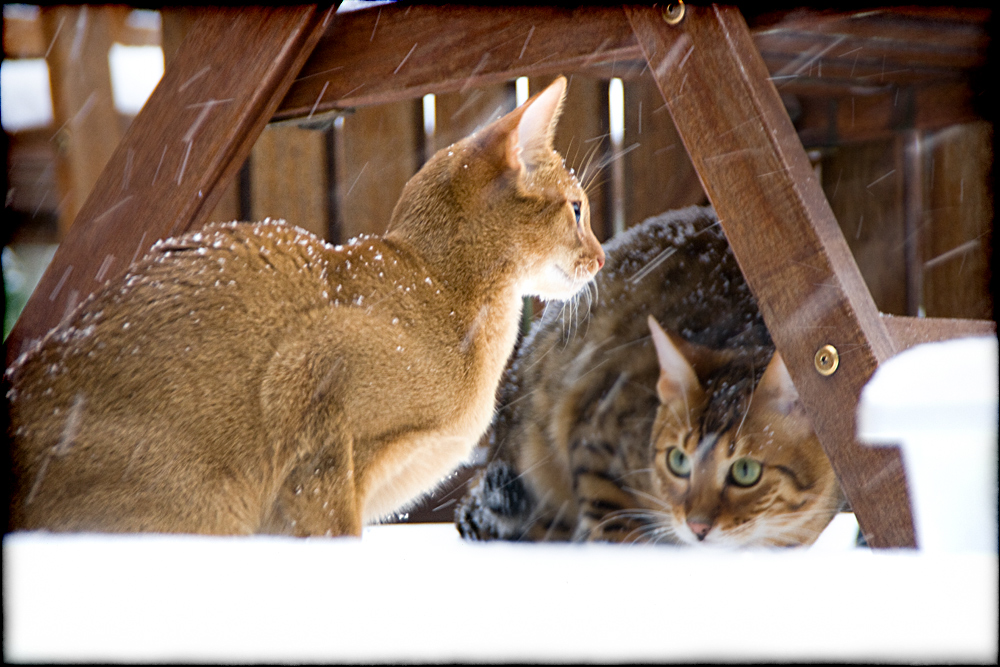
{"x": 785, "y": 238}
{"x": 189, "y": 140}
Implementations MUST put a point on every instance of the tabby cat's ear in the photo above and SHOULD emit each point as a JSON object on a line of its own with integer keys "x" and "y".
{"x": 534, "y": 134}
{"x": 777, "y": 391}
{"x": 677, "y": 377}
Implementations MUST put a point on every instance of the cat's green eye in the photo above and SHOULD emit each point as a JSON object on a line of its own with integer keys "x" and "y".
{"x": 577, "y": 209}
{"x": 745, "y": 472}
{"x": 678, "y": 462}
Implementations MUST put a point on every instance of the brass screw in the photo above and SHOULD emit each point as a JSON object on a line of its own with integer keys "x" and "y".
{"x": 827, "y": 359}
{"x": 674, "y": 13}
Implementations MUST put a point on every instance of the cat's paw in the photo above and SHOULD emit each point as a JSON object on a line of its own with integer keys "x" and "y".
{"x": 495, "y": 506}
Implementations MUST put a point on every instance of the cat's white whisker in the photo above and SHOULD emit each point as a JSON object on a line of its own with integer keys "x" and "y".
{"x": 651, "y": 265}
{"x": 746, "y": 410}
{"x": 555, "y": 520}
{"x": 665, "y": 505}
{"x": 613, "y": 156}
{"x": 587, "y": 173}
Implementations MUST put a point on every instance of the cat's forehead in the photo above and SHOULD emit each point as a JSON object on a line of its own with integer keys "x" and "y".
{"x": 551, "y": 177}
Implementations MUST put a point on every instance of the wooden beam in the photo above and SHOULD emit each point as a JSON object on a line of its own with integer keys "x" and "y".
{"x": 832, "y": 115}
{"x": 785, "y": 238}
{"x": 393, "y": 53}
{"x": 192, "y": 136}
{"x": 389, "y": 53}
{"x": 82, "y": 100}
{"x": 910, "y": 331}
{"x": 23, "y": 36}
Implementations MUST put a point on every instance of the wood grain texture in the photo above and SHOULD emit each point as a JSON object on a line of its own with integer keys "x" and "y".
{"x": 457, "y": 115}
{"x": 176, "y": 22}
{"x": 910, "y": 331}
{"x": 830, "y": 117}
{"x": 864, "y": 186}
{"x": 785, "y": 238}
{"x": 658, "y": 171}
{"x": 389, "y": 53}
{"x": 957, "y": 225}
{"x": 82, "y": 100}
{"x": 288, "y": 176}
{"x": 191, "y": 137}
{"x": 376, "y": 154}
{"x": 392, "y": 53}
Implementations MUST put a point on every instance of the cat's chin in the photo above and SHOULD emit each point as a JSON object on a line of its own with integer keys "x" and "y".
{"x": 555, "y": 285}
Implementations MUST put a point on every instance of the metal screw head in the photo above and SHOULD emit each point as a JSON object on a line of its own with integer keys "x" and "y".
{"x": 827, "y": 359}
{"x": 673, "y": 13}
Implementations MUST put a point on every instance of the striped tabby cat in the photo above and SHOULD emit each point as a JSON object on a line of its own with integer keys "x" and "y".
{"x": 662, "y": 414}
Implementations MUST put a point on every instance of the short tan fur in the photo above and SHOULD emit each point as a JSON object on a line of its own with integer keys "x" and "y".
{"x": 252, "y": 378}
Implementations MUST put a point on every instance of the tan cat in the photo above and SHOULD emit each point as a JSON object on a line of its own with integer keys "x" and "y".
{"x": 252, "y": 378}
{"x": 614, "y": 428}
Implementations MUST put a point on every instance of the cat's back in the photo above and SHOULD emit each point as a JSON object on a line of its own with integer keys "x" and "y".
{"x": 173, "y": 309}
{"x": 164, "y": 370}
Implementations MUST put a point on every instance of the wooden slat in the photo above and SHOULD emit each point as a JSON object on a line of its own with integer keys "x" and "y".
{"x": 392, "y": 53}
{"x": 946, "y": 30}
{"x": 657, "y": 168}
{"x": 31, "y": 158}
{"x": 910, "y": 156}
{"x": 457, "y": 115}
{"x": 288, "y": 177}
{"x": 958, "y": 223}
{"x": 910, "y": 331}
{"x": 23, "y": 37}
{"x": 376, "y": 154}
{"x": 834, "y": 114}
{"x": 851, "y": 49}
{"x": 82, "y": 101}
{"x": 175, "y": 23}
{"x": 182, "y": 149}
{"x": 864, "y": 187}
{"x": 785, "y": 238}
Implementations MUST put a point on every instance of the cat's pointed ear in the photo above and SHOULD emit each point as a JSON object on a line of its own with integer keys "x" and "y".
{"x": 777, "y": 390}
{"x": 677, "y": 377}
{"x": 537, "y": 128}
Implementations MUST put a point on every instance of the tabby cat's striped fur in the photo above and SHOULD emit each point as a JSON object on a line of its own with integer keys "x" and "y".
{"x": 605, "y": 432}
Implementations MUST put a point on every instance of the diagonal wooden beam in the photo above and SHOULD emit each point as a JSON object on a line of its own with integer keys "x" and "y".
{"x": 188, "y": 141}
{"x": 785, "y": 238}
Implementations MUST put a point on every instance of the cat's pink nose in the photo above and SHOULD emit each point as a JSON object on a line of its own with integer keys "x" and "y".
{"x": 600, "y": 261}
{"x": 699, "y": 529}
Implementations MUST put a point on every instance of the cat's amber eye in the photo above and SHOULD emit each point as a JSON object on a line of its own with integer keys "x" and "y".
{"x": 678, "y": 462}
{"x": 577, "y": 209}
{"x": 745, "y": 472}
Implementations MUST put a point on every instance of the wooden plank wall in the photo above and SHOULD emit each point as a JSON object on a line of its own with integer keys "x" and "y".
{"x": 951, "y": 227}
